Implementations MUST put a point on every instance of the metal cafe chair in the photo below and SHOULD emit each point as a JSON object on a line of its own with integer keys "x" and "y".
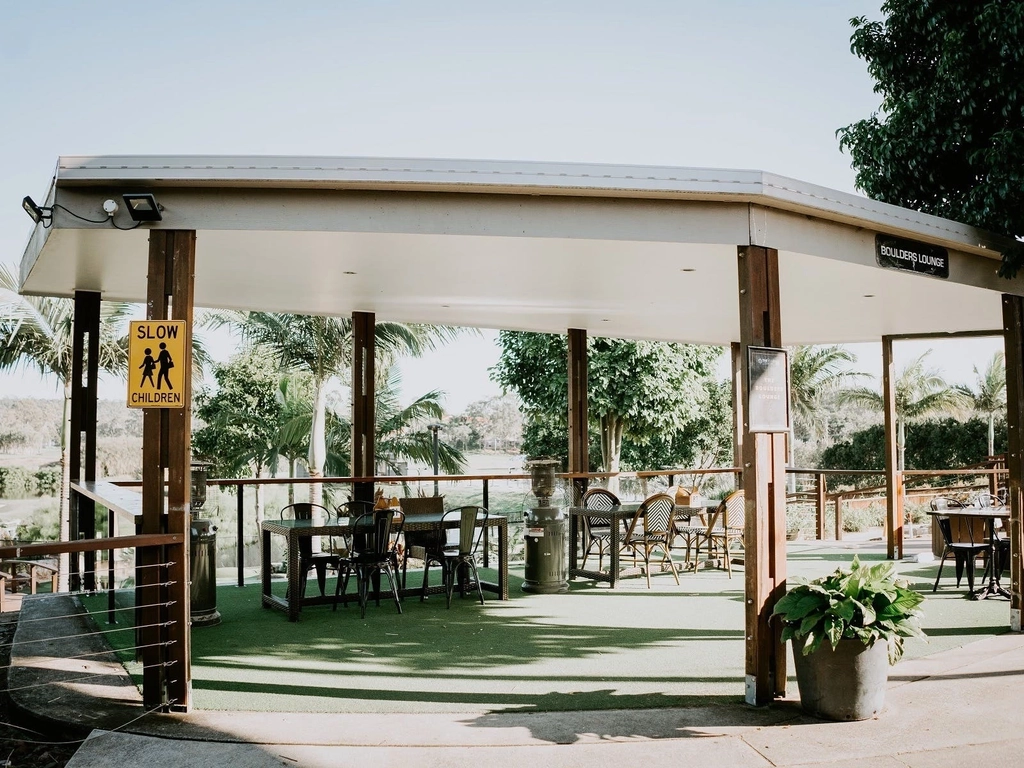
{"x": 957, "y": 541}
{"x": 374, "y": 538}
{"x": 459, "y": 562}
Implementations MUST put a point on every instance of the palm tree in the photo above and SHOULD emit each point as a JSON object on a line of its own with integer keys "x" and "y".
{"x": 400, "y": 432}
{"x": 920, "y": 392}
{"x": 989, "y": 395}
{"x": 322, "y": 347}
{"x": 815, "y": 373}
{"x": 37, "y": 332}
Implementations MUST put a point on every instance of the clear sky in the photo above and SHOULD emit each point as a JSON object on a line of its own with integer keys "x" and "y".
{"x": 732, "y": 84}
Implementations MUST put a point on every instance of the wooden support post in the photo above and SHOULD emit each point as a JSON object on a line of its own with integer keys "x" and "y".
{"x": 819, "y": 507}
{"x": 579, "y": 439}
{"x": 1013, "y": 337}
{"x": 893, "y": 472}
{"x": 166, "y": 460}
{"x": 839, "y": 518}
{"x": 738, "y": 407}
{"x": 764, "y": 484}
{"x": 363, "y": 402}
{"x": 85, "y": 346}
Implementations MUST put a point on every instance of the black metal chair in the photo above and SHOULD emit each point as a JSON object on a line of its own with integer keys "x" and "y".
{"x": 459, "y": 561}
{"x": 964, "y": 552}
{"x": 652, "y": 529}
{"x": 308, "y": 559}
{"x": 597, "y": 531}
{"x": 374, "y": 538}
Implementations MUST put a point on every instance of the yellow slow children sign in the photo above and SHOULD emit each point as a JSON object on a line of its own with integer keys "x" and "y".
{"x": 155, "y": 374}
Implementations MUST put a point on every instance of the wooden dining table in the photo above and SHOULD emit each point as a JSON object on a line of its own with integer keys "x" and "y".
{"x": 293, "y": 530}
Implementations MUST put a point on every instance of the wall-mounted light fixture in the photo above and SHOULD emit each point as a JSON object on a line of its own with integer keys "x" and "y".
{"x": 33, "y": 210}
{"x": 142, "y": 206}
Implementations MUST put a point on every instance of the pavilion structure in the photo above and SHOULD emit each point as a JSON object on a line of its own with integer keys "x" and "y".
{"x": 736, "y": 258}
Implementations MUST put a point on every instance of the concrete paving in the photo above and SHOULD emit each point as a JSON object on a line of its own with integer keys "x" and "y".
{"x": 949, "y": 709}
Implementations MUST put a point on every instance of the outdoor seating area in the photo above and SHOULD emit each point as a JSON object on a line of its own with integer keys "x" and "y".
{"x": 374, "y": 543}
{"x": 973, "y": 529}
{"x": 591, "y": 649}
{"x": 647, "y": 533}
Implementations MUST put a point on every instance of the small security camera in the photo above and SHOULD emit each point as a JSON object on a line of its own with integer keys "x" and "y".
{"x": 110, "y": 207}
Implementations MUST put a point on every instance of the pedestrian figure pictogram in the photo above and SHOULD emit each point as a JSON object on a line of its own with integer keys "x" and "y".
{"x": 166, "y": 363}
{"x": 148, "y": 364}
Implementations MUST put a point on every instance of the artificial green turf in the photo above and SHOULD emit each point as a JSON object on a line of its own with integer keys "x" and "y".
{"x": 593, "y": 648}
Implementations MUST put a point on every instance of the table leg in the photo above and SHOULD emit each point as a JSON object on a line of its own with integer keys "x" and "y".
{"x": 294, "y": 598}
{"x": 265, "y": 569}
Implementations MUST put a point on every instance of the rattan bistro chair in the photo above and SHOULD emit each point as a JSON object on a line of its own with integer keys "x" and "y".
{"x": 651, "y": 531}
{"x": 720, "y": 534}
{"x": 597, "y": 531}
{"x": 308, "y": 559}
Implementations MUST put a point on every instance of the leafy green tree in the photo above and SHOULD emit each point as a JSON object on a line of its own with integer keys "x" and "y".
{"x": 988, "y": 395}
{"x": 950, "y": 134}
{"x": 36, "y": 332}
{"x": 242, "y": 417}
{"x": 920, "y": 392}
{"x": 322, "y": 347}
{"x": 931, "y": 444}
{"x": 644, "y": 389}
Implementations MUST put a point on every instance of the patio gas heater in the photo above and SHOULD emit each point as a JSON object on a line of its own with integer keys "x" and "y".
{"x": 203, "y": 555}
{"x": 546, "y": 570}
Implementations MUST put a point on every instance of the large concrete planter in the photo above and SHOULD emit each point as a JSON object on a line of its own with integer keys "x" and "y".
{"x": 847, "y": 683}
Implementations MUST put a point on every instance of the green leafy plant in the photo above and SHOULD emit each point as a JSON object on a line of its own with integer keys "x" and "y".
{"x": 866, "y": 602}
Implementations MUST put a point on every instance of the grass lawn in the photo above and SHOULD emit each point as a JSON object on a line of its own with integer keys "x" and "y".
{"x": 593, "y": 648}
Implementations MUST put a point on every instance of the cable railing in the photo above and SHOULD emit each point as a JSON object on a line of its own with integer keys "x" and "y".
{"x": 150, "y": 626}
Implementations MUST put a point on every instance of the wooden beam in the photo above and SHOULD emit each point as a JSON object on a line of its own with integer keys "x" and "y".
{"x": 43, "y": 548}
{"x": 363, "y": 402}
{"x": 82, "y": 449}
{"x": 1013, "y": 339}
{"x": 948, "y": 335}
{"x": 893, "y": 472}
{"x": 821, "y": 500}
{"x": 764, "y": 485}
{"x": 579, "y": 438}
{"x": 166, "y": 454}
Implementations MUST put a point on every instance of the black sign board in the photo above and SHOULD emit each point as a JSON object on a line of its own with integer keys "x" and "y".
{"x": 911, "y": 256}
{"x": 768, "y": 393}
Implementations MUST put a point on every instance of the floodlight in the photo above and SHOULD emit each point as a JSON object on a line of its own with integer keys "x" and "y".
{"x": 142, "y": 206}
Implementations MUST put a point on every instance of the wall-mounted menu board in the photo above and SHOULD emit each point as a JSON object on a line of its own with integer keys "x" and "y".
{"x": 768, "y": 389}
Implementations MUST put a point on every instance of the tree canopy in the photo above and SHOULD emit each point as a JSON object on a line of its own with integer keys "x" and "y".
{"x": 643, "y": 390}
{"x": 950, "y": 134}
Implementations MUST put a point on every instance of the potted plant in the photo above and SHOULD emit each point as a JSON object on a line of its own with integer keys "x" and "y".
{"x": 864, "y": 614}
